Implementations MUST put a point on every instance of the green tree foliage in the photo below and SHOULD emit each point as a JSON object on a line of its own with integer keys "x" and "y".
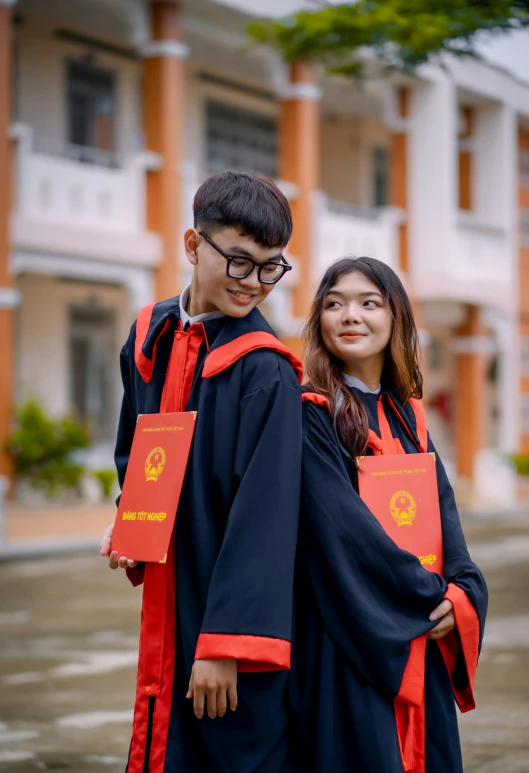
{"x": 402, "y": 33}
{"x": 521, "y": 463}
{"x": 106, "y": 478}
{"x": 41, "y": 448}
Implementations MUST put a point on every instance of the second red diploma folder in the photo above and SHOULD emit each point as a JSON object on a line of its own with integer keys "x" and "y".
{"x": 152, "y": 486}
{"x": 401, "y": 492}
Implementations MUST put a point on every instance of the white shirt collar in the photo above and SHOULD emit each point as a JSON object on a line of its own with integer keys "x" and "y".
{"x": 184, "y": 316}
{"x": 351, "y": 381}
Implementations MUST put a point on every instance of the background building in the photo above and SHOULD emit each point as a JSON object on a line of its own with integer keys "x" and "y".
{"x": 113, "y": 111}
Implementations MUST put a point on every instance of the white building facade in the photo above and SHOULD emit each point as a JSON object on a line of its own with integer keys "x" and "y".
{"x": 120, "y": 108}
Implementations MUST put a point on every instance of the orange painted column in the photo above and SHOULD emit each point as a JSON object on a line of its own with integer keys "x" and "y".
{"x": 470, "y": 347}
{"x": 523, "y": 283}
{"x": 164, "y": 108}
{"x": 8, "y": 295}
{"x": 299, "y": 164}
{"x": 399, "y": 173}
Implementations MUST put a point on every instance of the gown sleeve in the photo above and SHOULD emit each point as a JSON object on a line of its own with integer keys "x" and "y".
{"x": 125, "y": 434}
{"x": 374, "y": 598}
{"x": 249, "y": 606}
{"x": 466, "y": 590}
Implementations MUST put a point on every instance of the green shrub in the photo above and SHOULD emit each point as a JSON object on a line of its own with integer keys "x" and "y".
{"x": 41, "y": 448}
{"x": 106, "y": 479}
{"x": 521, "y": 463}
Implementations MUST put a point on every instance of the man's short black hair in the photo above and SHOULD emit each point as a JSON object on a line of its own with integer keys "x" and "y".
{"x": 252, "y": 204}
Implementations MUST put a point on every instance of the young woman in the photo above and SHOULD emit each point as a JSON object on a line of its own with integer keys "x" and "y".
{"x": 382, "y": 646}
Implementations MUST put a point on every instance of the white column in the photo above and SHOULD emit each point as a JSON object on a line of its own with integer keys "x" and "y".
{"x": 509, "y": 335}
{"x": 432, "y": 181}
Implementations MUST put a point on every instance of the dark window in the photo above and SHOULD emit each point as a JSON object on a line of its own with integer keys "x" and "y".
{"x": 91, "y": 106}
{"x": 92, "y": 369}
{"x": 435, "y": 354}
{"x": 240, "y": 139}
{"x": 380, "y": 177}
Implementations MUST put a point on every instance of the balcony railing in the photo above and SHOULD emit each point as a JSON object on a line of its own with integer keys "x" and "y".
{"x": 482, "y": 251}
{"x": 68, "y": 202}
{"x": 344, "y": 230}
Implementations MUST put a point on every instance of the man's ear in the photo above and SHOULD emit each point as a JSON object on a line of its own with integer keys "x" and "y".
{"x": 191, "y": 239}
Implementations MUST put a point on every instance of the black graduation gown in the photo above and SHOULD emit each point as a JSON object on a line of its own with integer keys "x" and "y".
{"x": 360, "y": 601}
{"x": 234, "y": 548}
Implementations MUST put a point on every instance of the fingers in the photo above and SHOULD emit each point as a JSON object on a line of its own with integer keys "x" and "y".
{"x": 222, "y": 703}
{"x": 113, "y": 560}
{"x": 213, "y": 684}
{"x": 123, "y": 563}
{"x": 199, "y": 697}
{"x": 446, "y": 625}
{"x": 212, "y": 700}
{"x": 443, "y": 609}
{"x": 232, "y": 696}
{"x": 105, "y": 542}
{"x": 190, "y": 689}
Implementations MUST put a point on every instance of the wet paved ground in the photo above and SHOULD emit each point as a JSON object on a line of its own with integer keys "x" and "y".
{"x": 68, "y": 638}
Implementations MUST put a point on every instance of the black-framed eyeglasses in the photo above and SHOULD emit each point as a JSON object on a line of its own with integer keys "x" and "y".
{"x": 238, "y": 267}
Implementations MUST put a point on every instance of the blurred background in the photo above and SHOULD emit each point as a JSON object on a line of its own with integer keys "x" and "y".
{"x": 112, "y": 112}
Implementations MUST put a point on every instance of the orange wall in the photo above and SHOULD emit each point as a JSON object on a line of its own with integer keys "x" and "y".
{"x": 470, "y": 396}
{"x": 298, "y": 164}
{"x": 163, "y": 110}
{"x": 399, "y": 174}
{"x": 465, "y": 180}
{"x": 466, "y": 198}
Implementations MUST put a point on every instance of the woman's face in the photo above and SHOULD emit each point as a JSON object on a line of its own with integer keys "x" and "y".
{"x": 356, "y": 322}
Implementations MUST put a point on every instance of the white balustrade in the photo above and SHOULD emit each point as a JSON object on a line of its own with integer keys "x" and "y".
{"x": 481, "y": 251}
{"x": 342, "y": 231}
{"x": 71, "y": 206}
{"x": 71, "y": 192}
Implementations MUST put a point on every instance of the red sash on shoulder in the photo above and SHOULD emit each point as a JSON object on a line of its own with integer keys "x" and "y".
{"x": 225, "y": 356}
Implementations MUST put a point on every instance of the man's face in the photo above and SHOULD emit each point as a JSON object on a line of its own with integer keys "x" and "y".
{"x": 212, "y": 289}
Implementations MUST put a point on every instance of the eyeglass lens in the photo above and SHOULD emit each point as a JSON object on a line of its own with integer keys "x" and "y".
{"x": 268, "y": 272}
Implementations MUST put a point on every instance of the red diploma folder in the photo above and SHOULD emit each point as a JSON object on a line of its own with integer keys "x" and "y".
{"x": 401, "y": 492}
{"x": 152, "y": 486}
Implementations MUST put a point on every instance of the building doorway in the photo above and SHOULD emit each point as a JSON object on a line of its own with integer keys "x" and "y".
{"x": 92, "y": 369}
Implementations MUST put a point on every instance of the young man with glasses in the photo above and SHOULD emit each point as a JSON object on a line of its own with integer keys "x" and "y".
{"x": 216, "y": 618}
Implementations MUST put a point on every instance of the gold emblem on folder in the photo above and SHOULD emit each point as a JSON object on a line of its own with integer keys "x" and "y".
{"x": 403, "y": 508}
{"x": 155, "y": 464}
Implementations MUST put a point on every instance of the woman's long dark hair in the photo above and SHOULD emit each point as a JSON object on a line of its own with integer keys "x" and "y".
{"x": 401, "y": 368}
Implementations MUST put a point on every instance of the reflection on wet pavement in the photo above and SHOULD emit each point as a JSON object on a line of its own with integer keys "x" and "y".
{"x": 68, "y": 652}
{"x": 69, "y": 637}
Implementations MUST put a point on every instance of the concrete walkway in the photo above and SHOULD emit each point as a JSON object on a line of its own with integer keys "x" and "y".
{"x": 68, "y": 652}
{"x": 54, "y": 529}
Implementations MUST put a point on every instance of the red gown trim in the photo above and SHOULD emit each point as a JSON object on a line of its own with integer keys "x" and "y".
{"x": 253, "y": 653}
{"x": 409, "y": 703}
{"x": 420, "y": 422}
{"x": 158, "y": 631}
{"x": 225, "y": 356}
{"x": 316, "y": 398}
{"x": 143, "y": 323}
{"x": 412, "y": 686}
{"x": 464, "y": 643}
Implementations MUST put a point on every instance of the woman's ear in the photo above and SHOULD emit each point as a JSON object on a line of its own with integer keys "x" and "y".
{"x": 191, "y": 239}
